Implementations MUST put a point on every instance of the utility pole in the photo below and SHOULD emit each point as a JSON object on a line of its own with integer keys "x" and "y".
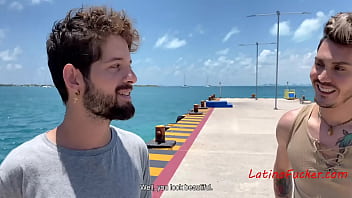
{"x": 277, "y": 13}
{"x": 256, "y": 65}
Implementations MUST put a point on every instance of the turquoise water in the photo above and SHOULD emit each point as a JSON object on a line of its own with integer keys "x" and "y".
{"x": 28, "y": 111}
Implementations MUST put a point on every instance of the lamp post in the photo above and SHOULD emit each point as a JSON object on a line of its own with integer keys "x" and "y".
{"x": 277, "y": 13}
{"x": 256, "y": 65}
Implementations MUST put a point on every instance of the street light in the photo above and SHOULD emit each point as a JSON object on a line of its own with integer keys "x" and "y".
{"x": 256, "y": 65}
{"x": 277, "y": 13}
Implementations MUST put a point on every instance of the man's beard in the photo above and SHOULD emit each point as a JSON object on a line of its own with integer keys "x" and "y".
{"x": 320, "y": 102}
{"x": 107, "y": 106}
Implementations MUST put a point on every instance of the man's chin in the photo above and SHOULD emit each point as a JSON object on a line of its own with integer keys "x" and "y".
{"x": 323, "y": 104}
{"x": 124, "y": 112}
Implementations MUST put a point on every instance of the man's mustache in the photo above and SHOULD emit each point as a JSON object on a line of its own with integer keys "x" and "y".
{"x": 125, "y": 86}
{"x": 323, "y": 83}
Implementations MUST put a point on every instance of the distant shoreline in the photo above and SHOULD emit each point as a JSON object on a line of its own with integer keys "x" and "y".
{"x": 38, "y": 85}
{"x": 46, "y": 85}
{"x": 25, "y": 85}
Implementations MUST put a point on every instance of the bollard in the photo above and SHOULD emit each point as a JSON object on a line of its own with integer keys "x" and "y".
{"x": 160, "y": 134}
{"x": 213, "y": 97}
{"x": 195, "y": 108}
{"x": 202, "y": 103}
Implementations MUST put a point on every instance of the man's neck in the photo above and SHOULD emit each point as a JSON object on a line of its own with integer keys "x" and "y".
{"x": 81, "y": 131}
{"x": 337, "y": 115}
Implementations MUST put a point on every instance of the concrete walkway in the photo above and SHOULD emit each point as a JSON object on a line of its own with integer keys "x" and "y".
{"x": 231, "y": 143}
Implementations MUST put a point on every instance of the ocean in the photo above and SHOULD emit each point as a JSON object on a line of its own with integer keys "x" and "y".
{"x": 28, "y": 111}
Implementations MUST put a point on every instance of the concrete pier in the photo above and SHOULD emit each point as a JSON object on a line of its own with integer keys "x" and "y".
{"x": 232, "y": 142}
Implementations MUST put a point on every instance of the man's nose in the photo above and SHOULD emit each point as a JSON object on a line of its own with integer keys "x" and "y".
{"x": 131, "y": 77}
{"x": 324, "y": 76}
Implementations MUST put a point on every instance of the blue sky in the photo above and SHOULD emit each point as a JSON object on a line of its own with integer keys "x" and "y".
{"x": 195, "y": 39}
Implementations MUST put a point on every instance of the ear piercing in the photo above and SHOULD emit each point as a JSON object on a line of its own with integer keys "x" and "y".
{"x": 75, "y": 99}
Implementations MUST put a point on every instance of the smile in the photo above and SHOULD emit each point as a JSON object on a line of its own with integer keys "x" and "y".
{"x": 325, "y": 90}
{"x": 124, "y": 92}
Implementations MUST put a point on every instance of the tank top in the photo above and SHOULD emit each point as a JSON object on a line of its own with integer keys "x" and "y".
{"x": 314, "y": 176}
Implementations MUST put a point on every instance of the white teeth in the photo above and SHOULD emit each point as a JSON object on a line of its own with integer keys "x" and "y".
{"x": 327, "y": 90}
{"x": 124, "y": 93}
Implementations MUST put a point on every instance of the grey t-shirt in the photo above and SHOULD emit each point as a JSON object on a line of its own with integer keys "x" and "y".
{"x": 39, "y": 168}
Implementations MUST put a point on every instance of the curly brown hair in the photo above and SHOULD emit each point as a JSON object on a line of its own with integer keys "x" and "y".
{"x": 77, "y": 39}
{"x": 339, "y": 29}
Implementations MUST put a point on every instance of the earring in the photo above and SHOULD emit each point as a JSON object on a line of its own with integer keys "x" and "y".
{"x": 75, "y": 99}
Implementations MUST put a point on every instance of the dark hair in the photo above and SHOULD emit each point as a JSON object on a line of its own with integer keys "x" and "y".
{"x": 339, "y": 29}
{"x": 77, "y": 40}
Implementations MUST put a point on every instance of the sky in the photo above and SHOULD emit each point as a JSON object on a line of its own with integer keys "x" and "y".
{"x": 196, "y": 42}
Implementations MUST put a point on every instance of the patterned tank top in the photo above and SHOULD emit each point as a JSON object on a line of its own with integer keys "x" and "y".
{"x": 314, "y": 176}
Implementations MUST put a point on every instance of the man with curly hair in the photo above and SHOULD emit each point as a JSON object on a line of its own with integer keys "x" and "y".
{"x": 90, "y": 63}
{"x": 315, "y": 141}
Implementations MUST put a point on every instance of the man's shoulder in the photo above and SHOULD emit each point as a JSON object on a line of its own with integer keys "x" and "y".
{"x": 22, "y": 153}
{"x": 285, "y": 125}
{"x": 288, "y": 118}
{"x": 128, "y": 137}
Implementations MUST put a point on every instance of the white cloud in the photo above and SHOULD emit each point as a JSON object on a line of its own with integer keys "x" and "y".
{"x": 284, "y": 29}
{"x": 12, "y": 66}
{"x": 179, "y": 59}
{"x": 244, "y": 62}
{"x": 294, "y": 66}
{"x": 169, "y": 42}
{"x": 161, "y": 41}
{"x": 228, "y": 70}
{"x": 221, "y": 61}
{"x": 7, "y": 55}
{"x": 40, "y": 1}
{"x": 233, "y": 31}
{"x": 223, "y": 52}
{"x": 310, "y": 27}
{"x": 16, "y": 6}
{"x": 302, "y": 61}
{"x": 266, "y": 57}
{"x": 175, "y": 43}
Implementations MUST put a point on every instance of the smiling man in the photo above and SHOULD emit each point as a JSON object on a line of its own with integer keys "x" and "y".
{"x": 90, "y": 63}
{"x": 315, "y": 142}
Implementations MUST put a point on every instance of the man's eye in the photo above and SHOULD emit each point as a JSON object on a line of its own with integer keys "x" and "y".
{"x": 116, "y": 66}
{"x": 339, "y": 68}
{"x": 318, "y": 64}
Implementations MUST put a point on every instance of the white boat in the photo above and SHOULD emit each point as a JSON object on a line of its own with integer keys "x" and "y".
{"x": 207, "y": 84}
{"x": 184, "y": 82}
{"x": 46, "y": 86}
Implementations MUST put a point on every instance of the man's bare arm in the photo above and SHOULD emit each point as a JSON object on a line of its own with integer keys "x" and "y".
{"x": 283, "y": 184}
{"x": 283, "y": 187}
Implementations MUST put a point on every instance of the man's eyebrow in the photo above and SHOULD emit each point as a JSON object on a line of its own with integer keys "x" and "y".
{"x": 335, "y": 62}
{"x": 115, "y": 59}
{"x": 318, "y": 59}
{"x": 342, "y": 63}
